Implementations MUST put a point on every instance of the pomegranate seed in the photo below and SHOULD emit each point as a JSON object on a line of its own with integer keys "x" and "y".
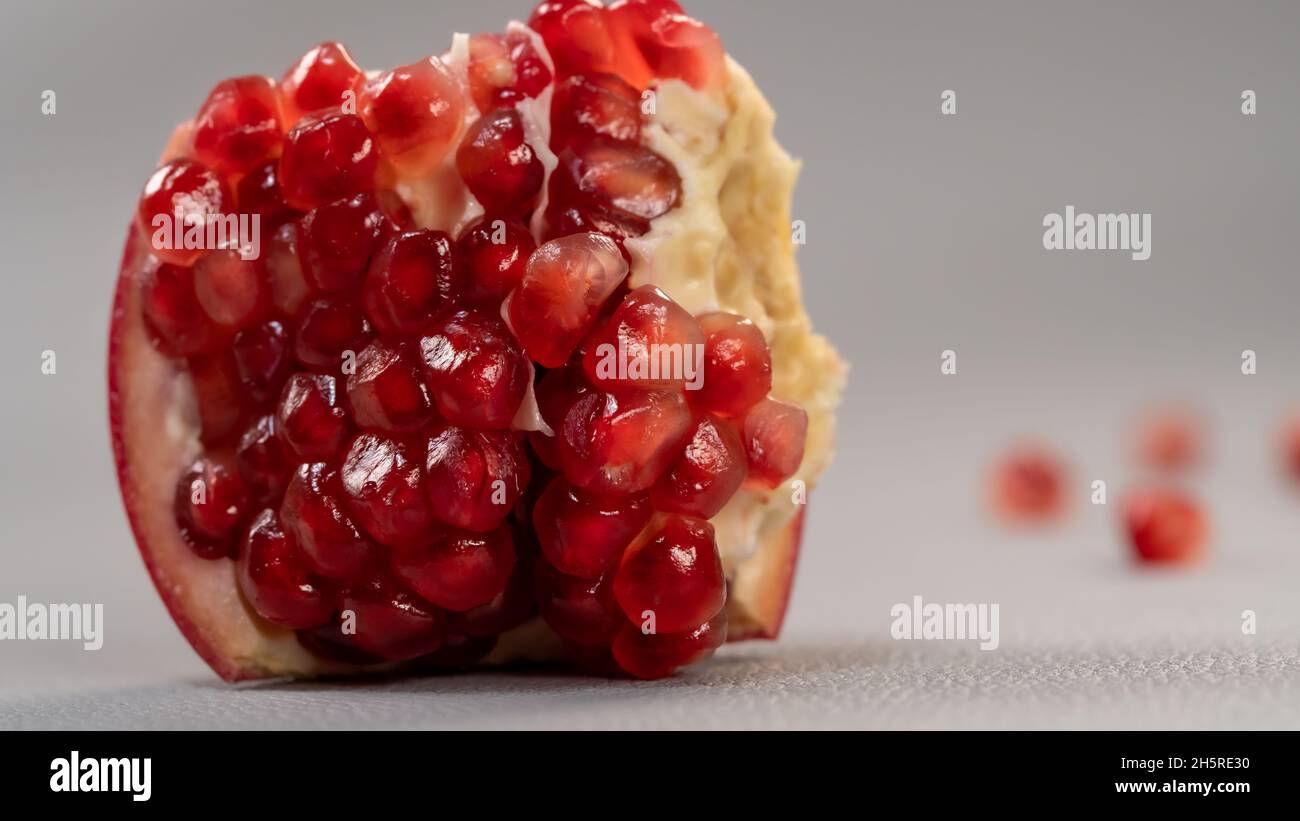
{"x": 475, "y": 478}
{"x": 326, "y": 331}
{"x": 1029, "y": 485}
{"x": 580, "y": 38}
{"x": 238, "y": 127}
{"x": 674, "y": 46}
{"x": 327, "y": 156}
{"x": 259, "y": 193}
{"x": 210, "y": 503}
{"x": 631, "y": 180}
{"x": 775, "y": 434}
{"x": 582, "y": 611}
{"x": 336, "y": 241}
{"x": 262, "y": 357}
{"x": 320, "y": 79}
{"x": 503, "y": 70}
{"x": 617, "y": 443}
{"x": 510, "y": 608}
{"x": 415, "y": 112}
{"x": 1171, "y": 439}
{"x": 707, "y": 474}
{"x": 1165, "y": 526}
{"x": 493, "y": 253}
{"x": 284, "y": 271}
{"x": 737, "y": 365}
{"x": 556, "y": 392}
{"x": 275, "y": 579}
{"x": 563, "y": 219}
{"x": 475, "y": 370}
{"x": 457, "y": 571}
{"x": 565, "y": 283}
{"x": 185, "y": 188}
{"x": 313, "y": 513}
{"x": 230, "y": 289}
{"x": 262, "y": 461}
{"x": 649, "y": 342}
{"x": 391, "y": 623}
{"x": 411, "y": 279}
{"x": 594, "y": 105}
{"x": 1290, "y": 446}
{"x": 657, "y": 655}
{"x": 218, "y": 394}
{"x": 583, "y": 535}
{"x": 674, "y": 572}
{"x": 309, "y": 417}
{"x": 499, "y": 168}
{"x": 385, "y": 489}
{"x": 177, "y": 323}
{"x": 329, "y": 642}
{"x": 386, "y": 392}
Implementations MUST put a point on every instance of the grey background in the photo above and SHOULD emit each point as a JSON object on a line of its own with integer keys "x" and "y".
{"x": 923, "y": 234}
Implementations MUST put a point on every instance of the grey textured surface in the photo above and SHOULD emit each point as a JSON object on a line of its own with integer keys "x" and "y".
{"x": 923, "y": 234}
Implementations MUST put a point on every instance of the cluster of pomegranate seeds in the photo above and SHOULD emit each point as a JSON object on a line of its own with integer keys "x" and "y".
{"x": 371, "y": 461}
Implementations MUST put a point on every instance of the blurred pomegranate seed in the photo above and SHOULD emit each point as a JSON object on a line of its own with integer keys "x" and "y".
{"x": 416, "y": 113}
{"x": 391, "y": 623}
{"x": 582, "y": 611}
{"x": 649, "y": 342}
{"x": 327, "y": 156}
{"x": 309, "y": 417}
{"x": 230, "y": 289}
{"x": 708, "y": 473}
{"x": 386, "y": 391}
{"x": 262, "y": 358}
{"x": 210, "y": 503}
{"x": 182, "y": 187}
{"x": 504, "y": 69}
{"x": 474, "y": 369}
{"x": 262, "y": 460}
{"x": 474, "y": 478}
{"x": 284, "y": 271}
{"x": 320, "y": 79}
{"x": 219, "y": 395}
{"x": 1030, "y": 484}
{"x": 327, "y": 330}
{"x": 566, "y": 282}
{"x": 582, "y": 534}
{"x": 674, "y": 572}
{"x": 580, "y": 38}
{"x": 493, "y": 253}
{"x": 384, "y": 486}
{"x": 457, "y": 570}
{"x": 314, "y": 514}
{"x": 336, "y": 241}
{"x": 737, "y": 365}
{"x": 1290, "y": 442}
{"x": 1165, "y": 526}
{"x": 177, "y": 322}
{"x": 275, "y": 579}
{"x": 498, "y": 166}
{"x": 1171, "y": 439}
{"x": 775, "y": 434}
{"x": 674, "y": 46}
{"x": 410, "y": 280}
{"x": 656, "y": 655}
{"x": 259, "y": 193}
{"x": 238, "y": 127}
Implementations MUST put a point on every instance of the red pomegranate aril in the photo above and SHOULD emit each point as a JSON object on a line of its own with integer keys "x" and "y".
{"x": 499, "y": 167}
{"x": 556, "y": 392}
{"x": 313, "y": 513}
{"x": 657, "y": 655}
{"x": 329, "y": 642}
{"x": 457, "y": 570}
{"x": 493, "y": 253}
{"x": 210, "y": 503}
{"x": 336, "y": 241}
{"x": 565, "y": 283}
{"x": 218, "y": 394}
{"x": 1028, "y": 484}
{"x": 1165, "y": 526}
{"x": 177, "y": 322}
{"x": 582, "y": 611}
{"x": 259, "y": 193}
{"x": 327, "y": 330}
{"x": 649, "y": 342}
{"x": 320, "y": 79}
{"x": 583, "y": 534}
{"x": 671, "y": 577}
{"x": 410, "y": 280}
{"x": 707, "y": 474}
{"x": 262, "y": 357}
{"x": 392, "y": 623}
{"x": 327, "y": 156}
{"x": 474, "y": 478}
{"x": 628, "y": 178}
{"x": 276, "y": 580}
{"x": 238, "y": 127}
{"x": 674, "y": 45}
{"x": 474, "y": 369}
{"x": 185, "y": 188}
{"x": 386, "y": 392}
{"x": 416, "y": 113}
{"x": 511, "y": 607}
{"x": 284, "y": 271}
{"x": 309, "y": 417}
{"x": 775, "y": 433}
{"x": 384, "y": 487}
{"x": 262, "y": 460}
{"x": 1171, "y": 439}
{"x": 737, "y": 365}
{"x": 230, "y": 288}
{"x": 622, "y": 442}
{"x": 503, "y": 70}
{"x": 591, "y": 105}
{"x": 580, "y": 38}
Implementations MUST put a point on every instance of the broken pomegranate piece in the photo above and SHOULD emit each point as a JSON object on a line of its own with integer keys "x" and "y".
{"x": 479, "y": 396}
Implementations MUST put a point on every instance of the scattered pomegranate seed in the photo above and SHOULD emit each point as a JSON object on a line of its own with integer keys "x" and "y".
{"x": 177, "y": 322}
{"x": 384, "y": 486}
{"x": 326, "y": 331}
{"x": 674, "y": 572}
{"x": 336, "y": 241}
{"x": 737, "y": 365}
{"x": 416, "y": 113}
{"x": 632, "y": 181}
{"x": 565, "y": 283}
{"x": 320, "y": 79}
{"x": 259, "y": 193}
{"x": 708, "y": 473}
{"x": 275, "y": 579}
{"x": 314, "y": 514}
{"x": 327, "y": 156}
{"x": 656, "y": 655}
{"x": 583, "y": 535}
{"x": 649, "y": 341}
{"x": 499, "y": 168}
{"x": 493, "y": 253}
{"x": 284, "y": 271}
{"x": 262, "y": 357}
{"x": 391, "y": 623}
{"x": 210, "y": 503}
{"x": 504, "y": 69}
{"x": 582, "y": 611}
{"x": 411, "y": 279}
{"x": 618, "y": 443}
{"x": 475, "y": 478}
{"x": 309, "y": 417}
{"x": 1165, "y": 526}
{"x": 1171, "y": 439}
{"x": 1291, "y": 448}
{"x": 775, "y": 434}
{"x": 458, "y": 570}
{"x": 238, "y": 127}
{"x": 182, "y": 187}
{"x": 595, "y": 105}
{"x": 386, "y": 391}
{"x": 474, "y": 369}
{"x": 262, "y": 460}
{"x": 230, "y": 289}
{"x": 1029, "y": 484}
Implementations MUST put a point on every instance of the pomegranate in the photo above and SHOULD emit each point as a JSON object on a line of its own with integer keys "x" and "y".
{"x": 481, "y": 395}
{"x": 1165, "y": 526}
